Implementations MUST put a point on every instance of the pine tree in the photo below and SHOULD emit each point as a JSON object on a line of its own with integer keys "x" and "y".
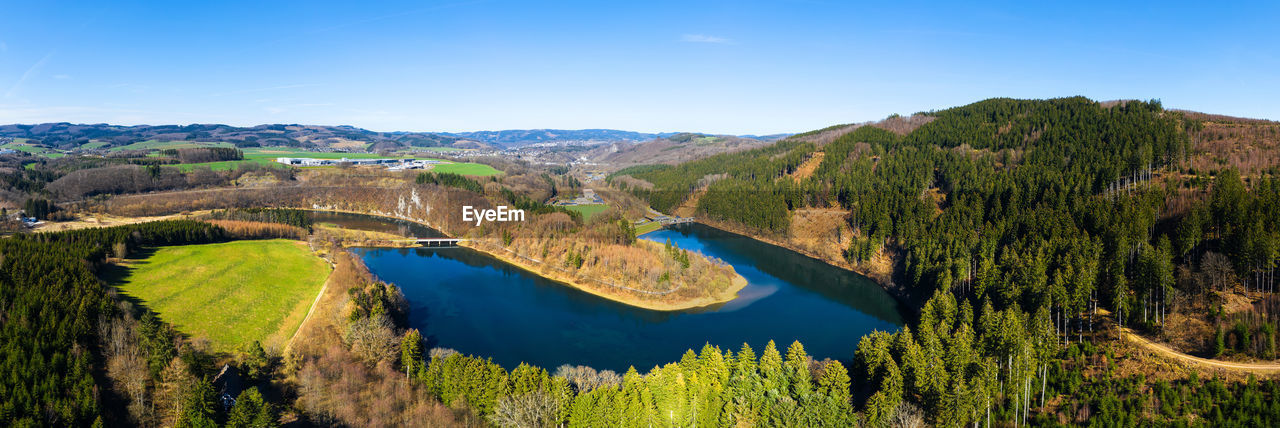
{"x": 798, "y": 370}
{"x": 771, "y": 371}
{"x": 251, "y": 411}
{"x": 411, "y": 351}
{"x": 198, "y": 406}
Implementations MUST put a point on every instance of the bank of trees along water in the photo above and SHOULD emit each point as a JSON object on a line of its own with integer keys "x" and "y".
{"x": 713, "y": 387}
{"x": 1020, "y": 217}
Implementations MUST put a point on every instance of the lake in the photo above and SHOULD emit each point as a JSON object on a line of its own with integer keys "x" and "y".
{"x": 463, "y": 299}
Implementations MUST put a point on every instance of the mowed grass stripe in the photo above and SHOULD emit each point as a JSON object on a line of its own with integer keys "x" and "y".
{"x": 588, "y": 210}
{"x": 230, "y": 293}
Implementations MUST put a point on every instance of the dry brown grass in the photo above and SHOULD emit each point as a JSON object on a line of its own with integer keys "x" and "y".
{"x": 820, "y": 232}
{"x": 323, "y": 326}
{"x": 934, "y": 196}
{"x": 690, "y": 205}
{"x": 101, "y": 220}
{"x": 806, "y": 169}
{"x": 1188, "y": 332}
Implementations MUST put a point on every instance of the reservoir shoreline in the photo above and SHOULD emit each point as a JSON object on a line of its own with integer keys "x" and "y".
{"x": 737, "y": 282}
{"x": 883, "y": 277}
{"x": 470, "y": 301}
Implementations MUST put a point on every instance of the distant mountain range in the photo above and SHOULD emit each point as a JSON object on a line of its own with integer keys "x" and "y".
{"x": 521, "y": 137}
{"x": 67, "y": 136}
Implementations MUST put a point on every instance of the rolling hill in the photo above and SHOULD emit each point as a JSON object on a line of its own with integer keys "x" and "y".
{"x": 69, "y": 136}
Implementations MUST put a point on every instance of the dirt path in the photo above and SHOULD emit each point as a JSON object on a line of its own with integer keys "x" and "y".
{"x": 807, "y": 168}
{"x": 311, "y": 310}
{"x": 91, "y": 221}
{"x": 1262, "y": 369}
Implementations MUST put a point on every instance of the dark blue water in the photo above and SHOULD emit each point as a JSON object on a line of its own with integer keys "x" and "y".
{"x": 478, "y": 305}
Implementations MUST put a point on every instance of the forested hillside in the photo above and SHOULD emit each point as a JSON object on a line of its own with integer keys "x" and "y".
{"x": 70, "y": 136}
{"x": 62, "y": 331}
{"x": 1021, "y": 218}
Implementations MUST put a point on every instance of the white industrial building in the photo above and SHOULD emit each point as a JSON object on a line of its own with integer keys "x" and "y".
{"x": 393, "y": 164}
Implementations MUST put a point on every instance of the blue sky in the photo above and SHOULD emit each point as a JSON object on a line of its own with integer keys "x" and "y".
{"x": 724, "y": 67}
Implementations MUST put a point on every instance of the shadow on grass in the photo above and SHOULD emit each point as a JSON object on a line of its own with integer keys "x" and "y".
{"x": 116, "y": 276}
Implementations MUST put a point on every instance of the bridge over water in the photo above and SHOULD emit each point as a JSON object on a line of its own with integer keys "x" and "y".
{"x": 434, "y": 242}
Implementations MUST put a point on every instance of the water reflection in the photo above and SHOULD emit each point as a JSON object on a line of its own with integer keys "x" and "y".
{"x": 463, "y": 299}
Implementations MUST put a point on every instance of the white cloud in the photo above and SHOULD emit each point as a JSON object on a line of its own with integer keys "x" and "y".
{"x": 703, "y": 38}
{"x": 62, "y": 76}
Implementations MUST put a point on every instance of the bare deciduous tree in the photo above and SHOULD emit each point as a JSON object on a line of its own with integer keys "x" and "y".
{"x": 585, "y": 379}
{"x": 907, "y": 415}
{"x": 1219, "y": 269}
{"x": 372, "y": 338}
{"x": 535, "y": 409}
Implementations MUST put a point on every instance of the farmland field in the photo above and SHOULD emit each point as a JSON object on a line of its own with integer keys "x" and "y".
{"x": 588, "y": 210}
{"x": 162, "y": 145}
{"x": 648, "y": 227}
{"x": 20, "y": 144}
{"x": 466, "y": 169}
{"x": 228, "y": 165}
{"x": 230, "y": 293}
{"x": 95, "y": 144}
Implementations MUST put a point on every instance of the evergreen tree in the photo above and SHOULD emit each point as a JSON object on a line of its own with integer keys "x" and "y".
{"x": 411, "y": 351}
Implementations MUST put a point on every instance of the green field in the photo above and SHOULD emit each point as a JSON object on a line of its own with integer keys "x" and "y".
{"x": 20, "y": 144}
{"x": 281, "y": 152}
{"x": 95, "y": 144}
{"x": 230, "y": 293}
{"x": 648, "y": 227}
{"x": 588, "y": 210}
{"x": 466, "y": 169}
{"x": 161, "y": 145}
{"x": 229, "y": 165}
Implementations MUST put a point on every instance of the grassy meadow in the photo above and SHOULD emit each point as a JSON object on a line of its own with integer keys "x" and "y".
{"x": 162, "y": 145}
{"x": 267, "y": 156}
{"x": 230, "y": 293}
{"x": 587, "y": 210}
{"x": 466, "y": 168}
{"x": 648, "y": 227}
{"x": 22, "y": 145}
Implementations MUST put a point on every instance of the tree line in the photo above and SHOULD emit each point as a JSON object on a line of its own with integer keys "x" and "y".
{"x": 62, "y": 329}
{"x": 288, "y": 216}
{"x": 450, "y": 179}
{"x": 204, "y": 154}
